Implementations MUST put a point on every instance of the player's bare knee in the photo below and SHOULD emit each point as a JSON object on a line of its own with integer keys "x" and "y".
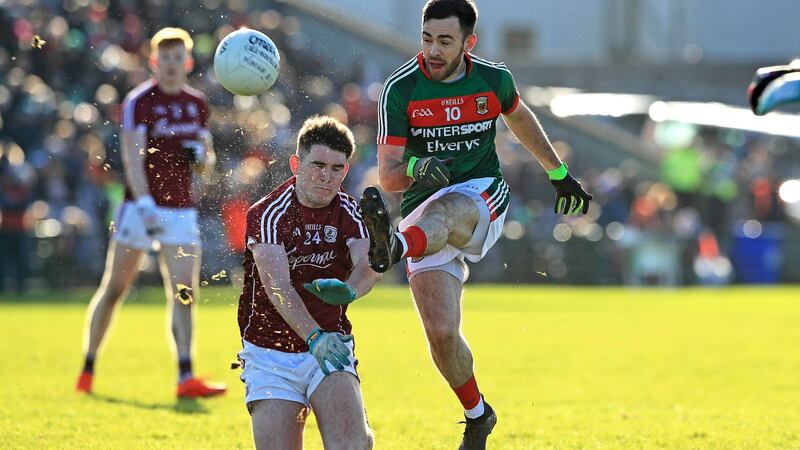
{"x": 368, "y": 441}
{"x": 114, "y": 292}
{"x": 437, "y": 210}
{"x": 442, "y": 336}
{"x": 359, "y": 439}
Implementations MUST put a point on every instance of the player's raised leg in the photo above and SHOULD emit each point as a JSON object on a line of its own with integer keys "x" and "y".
{"x": 449, "y": 219}
{"x": 277, "y": 424}
{"x": 122, "y": 266}
{"x": 180, "y": 269}
{"x": 339, "y": 409}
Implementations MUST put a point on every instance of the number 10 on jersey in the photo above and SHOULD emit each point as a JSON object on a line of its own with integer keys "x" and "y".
{"x": 452, "y": 113}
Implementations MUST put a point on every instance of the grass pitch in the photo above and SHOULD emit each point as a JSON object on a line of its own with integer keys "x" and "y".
{"x": 563, "y": 367}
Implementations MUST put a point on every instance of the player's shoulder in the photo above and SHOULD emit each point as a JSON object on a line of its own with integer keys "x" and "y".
{"x": 405, "y": 75}
{"x": 491, "y": 68}
{"x": 142, "y": 91}
{"x": 195, "y": 93}
{"x": 349, "y": 205}
{"x": 280, "y": 198}
{"x": 346, "y": 199}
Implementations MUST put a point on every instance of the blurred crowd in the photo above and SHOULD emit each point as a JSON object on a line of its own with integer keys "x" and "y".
{"x": 724, "y": 208}
{"x": 65, "y": 66}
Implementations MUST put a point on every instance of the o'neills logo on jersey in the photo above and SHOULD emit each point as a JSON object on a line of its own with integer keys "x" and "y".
{"x": 422, "y": 112}
{"x": 453, "y": 101}
{"x": 319, "y": 260}
{"x": 162, "y": 128}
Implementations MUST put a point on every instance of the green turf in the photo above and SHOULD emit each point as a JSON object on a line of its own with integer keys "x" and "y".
{"x": 564, "y": 368}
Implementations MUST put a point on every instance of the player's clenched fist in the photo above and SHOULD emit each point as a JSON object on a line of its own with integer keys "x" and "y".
{"x": 430, "y": 172}
{"x": 329, "y": 347}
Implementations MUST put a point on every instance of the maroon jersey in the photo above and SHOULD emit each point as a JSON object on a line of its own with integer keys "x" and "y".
{"x": 168, "y": 120}
{"x": 317, "y": 242}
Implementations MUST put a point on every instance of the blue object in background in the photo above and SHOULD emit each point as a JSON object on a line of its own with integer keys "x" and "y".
{"x": 757, "y": 260}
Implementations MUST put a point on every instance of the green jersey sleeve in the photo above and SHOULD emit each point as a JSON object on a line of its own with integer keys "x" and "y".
{"x": 507, "y": 94}
{"x": 392, "y": 115}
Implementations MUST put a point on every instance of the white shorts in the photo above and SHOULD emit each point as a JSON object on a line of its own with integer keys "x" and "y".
{"x": 491, "y": 196}
{"x": 179, "y": 224}
{"x": 272, "y": 374}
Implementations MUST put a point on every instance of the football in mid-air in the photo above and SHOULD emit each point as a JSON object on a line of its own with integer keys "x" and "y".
{"x": 247, "y": 62}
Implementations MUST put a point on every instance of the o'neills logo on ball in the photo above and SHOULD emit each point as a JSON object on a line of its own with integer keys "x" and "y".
{"x": 482, "y": 105}
{"x": 320, "y": 260}
{"x": 255, "y": 40}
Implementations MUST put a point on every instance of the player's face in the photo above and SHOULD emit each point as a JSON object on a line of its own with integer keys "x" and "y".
{"x": 443, "y": 47}
{"x": 319, "y": 175}
{"x": 171, "y": 64}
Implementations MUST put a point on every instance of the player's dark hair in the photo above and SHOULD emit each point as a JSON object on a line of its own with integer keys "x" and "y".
{"x": 465, "y": 10}
{"x": 325, "y": 130}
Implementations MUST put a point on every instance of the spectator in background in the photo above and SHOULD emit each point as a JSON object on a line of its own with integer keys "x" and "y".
{"x": 16, "y": 195}
{"x": 682, "y": 170}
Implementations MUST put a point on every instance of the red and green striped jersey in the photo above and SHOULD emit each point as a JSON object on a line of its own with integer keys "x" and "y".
{"x": 458, "y": 119}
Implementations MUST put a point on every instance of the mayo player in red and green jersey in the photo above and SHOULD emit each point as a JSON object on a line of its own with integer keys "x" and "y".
{"x": 436, "y": 132}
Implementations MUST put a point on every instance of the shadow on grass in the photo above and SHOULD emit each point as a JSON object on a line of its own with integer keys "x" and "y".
{"x": 181, "y": 405}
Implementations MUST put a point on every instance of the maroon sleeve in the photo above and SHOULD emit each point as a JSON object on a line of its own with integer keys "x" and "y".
{"x": 352, "y": 225}
{"x": 134, "y": 113}
{"x": 267, "y": 220}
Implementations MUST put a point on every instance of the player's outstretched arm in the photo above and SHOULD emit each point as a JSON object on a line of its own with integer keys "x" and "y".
{"x": 526, "y": 127}
{"x": 571, "y": 199}
{"x": 328, "y": 348}
{"x": 273, "y": 269}
{"x": 362, "y": 278}
{"x": 358, "y": 284}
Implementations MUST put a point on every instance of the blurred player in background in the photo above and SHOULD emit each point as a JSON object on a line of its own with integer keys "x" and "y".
{"x": 164, "y": 140}
{"x": 305, "y": 242}
{"x": 436, "y": 131}
{"x": 773, "y": 86}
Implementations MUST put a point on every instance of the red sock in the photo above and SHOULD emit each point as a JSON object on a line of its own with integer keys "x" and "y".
{"x": 468, "y": 394}
{"x": 416, "y": 241}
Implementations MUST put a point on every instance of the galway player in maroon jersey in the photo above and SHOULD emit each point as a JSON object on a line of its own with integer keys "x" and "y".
{"x": 164, "y": 140}
{"x": 306, "y": 242}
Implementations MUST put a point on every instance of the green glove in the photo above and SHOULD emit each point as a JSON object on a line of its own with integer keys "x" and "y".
{"x": 571, "y": 199}
{"x": 329, "y": 348}
{"x": 430, "y": 172}
{"x": 331, "y": 291}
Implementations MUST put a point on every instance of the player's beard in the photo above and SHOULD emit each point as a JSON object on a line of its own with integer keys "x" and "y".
{"x": 450, "y": 67}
